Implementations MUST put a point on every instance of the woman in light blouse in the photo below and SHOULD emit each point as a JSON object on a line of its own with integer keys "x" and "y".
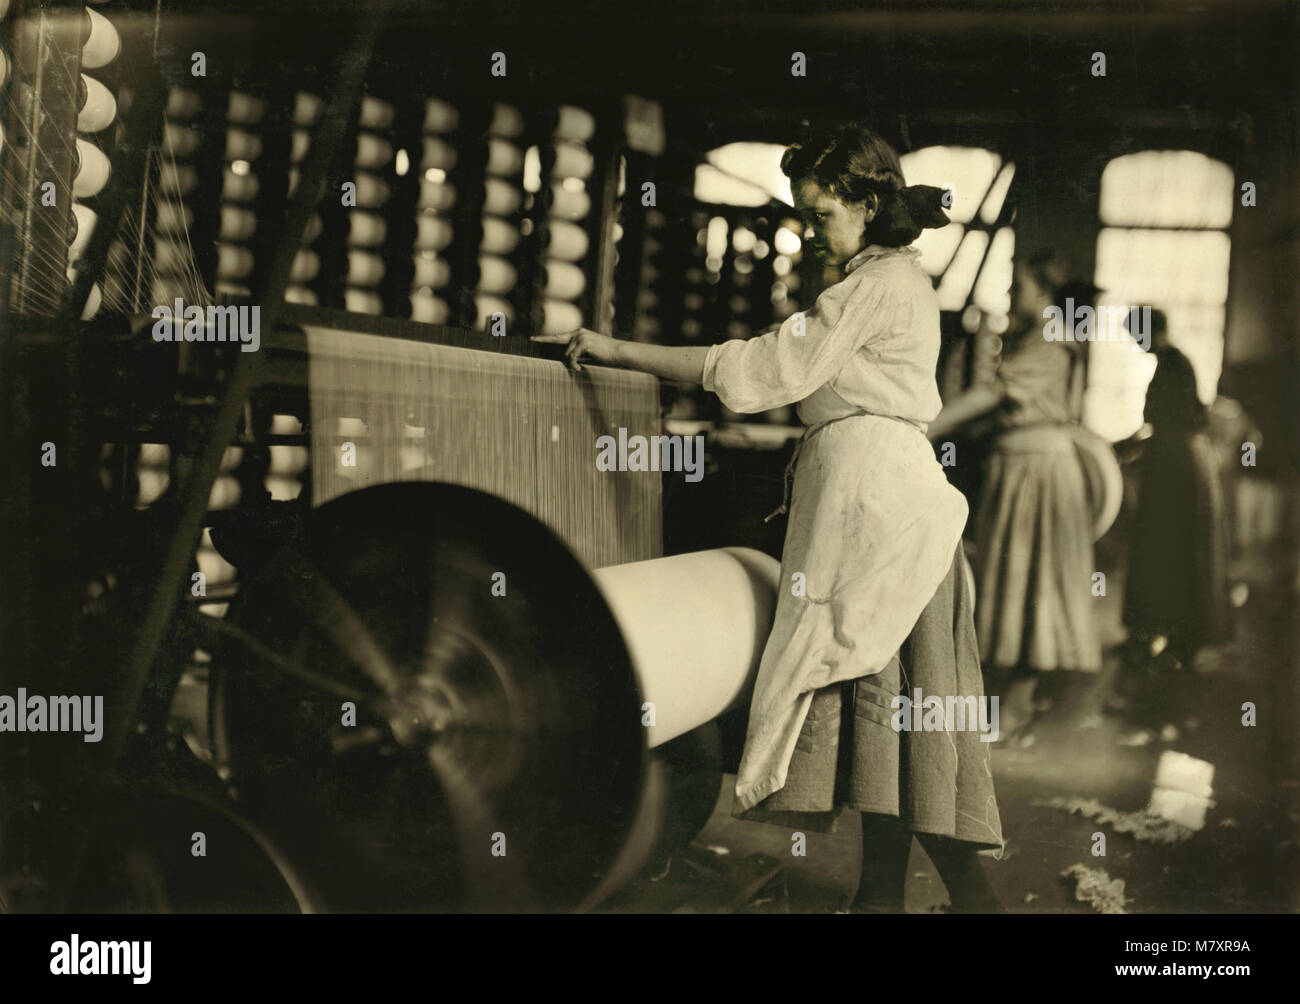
{"x": 1034, "y": 561}
{"x": 874, "y": 602}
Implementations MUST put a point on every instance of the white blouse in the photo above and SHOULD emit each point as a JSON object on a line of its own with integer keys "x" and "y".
{"x": 869, "y": 343}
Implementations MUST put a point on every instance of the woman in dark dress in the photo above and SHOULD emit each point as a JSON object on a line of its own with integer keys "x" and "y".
{"x": 1177, "y": 593}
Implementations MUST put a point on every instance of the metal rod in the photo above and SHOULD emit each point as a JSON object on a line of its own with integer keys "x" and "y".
{"x": 270, "y": 296}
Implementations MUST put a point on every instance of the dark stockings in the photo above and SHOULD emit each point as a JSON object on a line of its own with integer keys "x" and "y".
{"x": 1015, "y": 691}
{"x": 886, "y": 843}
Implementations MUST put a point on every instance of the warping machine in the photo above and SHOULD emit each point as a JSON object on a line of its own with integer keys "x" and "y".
{"x": 334, "y": 575}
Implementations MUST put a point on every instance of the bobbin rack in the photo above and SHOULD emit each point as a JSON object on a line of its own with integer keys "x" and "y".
{"x": 166, "y": 545}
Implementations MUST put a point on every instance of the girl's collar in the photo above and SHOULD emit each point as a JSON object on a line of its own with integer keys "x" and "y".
{"x": 876, "y": 251}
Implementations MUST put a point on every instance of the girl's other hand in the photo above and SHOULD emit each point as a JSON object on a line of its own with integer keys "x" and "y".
{"x": 580, "y": 342}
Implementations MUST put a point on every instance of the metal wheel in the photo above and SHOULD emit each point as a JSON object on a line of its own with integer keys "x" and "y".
{"x": 495, "y": 758}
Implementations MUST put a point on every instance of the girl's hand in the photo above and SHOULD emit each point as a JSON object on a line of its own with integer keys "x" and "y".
{"x": 581, "y": 342}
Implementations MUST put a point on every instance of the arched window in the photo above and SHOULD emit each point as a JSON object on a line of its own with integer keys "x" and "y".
{"x": 972, "y": 256}
{"x": 1164, "y": 243}
{"x": 970, "y": 259}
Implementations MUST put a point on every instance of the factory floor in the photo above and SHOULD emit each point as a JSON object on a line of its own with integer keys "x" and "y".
{"x": 1216, "y": 835}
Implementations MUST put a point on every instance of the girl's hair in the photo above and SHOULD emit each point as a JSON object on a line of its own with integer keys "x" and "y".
{"x": 1052, "y": 273}
{"x": 1047, "y": 269}
{"x": 853, "y": 162}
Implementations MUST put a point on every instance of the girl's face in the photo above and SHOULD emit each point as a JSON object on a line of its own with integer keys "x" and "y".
{"x": 836, "y": 227}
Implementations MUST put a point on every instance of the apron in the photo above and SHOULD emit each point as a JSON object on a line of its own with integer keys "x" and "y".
{"x": 873, "y": 528}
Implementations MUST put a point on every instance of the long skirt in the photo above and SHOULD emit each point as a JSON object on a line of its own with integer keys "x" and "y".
{"x": 1177, "y": 567}
{"x": 1034, "y": 563}
{"x": 856, "y": 751}
{"x": 872, "y": 531}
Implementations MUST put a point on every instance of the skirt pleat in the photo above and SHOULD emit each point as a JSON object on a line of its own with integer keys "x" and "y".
{"x": 1034, "y": 562}
{"x": 850, "y": 755}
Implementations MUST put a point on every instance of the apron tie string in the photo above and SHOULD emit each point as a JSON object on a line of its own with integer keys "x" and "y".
{"x": 787, "y": 478}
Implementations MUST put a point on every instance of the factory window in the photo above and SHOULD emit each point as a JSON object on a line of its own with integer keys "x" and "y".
{"x": 743, "y": 174}
{"x": 748, "y": 244}
{"x": 971, "y": 259}
{"x": 972, "y": 256}
{"x": 1163, "y": 242}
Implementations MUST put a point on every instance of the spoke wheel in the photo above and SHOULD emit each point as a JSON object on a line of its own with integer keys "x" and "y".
{"x": 484, "y": 723}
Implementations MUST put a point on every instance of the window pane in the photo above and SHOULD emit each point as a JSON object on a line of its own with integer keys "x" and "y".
{"x": 937, "y": 247}
{"x": 997, "y": 195}
{"x": 1118, "y": 374}
{"x": 1166, "y": 188}
{"x": 957, "y": 281}
{"x": 757, "y": 163}
{"x": 993, "y": 288}
{"x": 1182, "y": 270}
{"x": 1163, "y": 266}
{"x": 713, "y": 187}
{"x": 969, "y": 170}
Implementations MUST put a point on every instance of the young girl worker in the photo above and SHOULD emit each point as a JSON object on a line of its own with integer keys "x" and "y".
{"x": 875, "y": 602}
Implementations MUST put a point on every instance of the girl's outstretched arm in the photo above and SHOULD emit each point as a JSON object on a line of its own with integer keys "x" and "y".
{"x": 682, "y": 363}
{"x": 977, "y": 401}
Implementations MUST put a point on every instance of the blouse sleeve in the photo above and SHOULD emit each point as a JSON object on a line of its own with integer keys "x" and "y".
{"x": 784, "y": 366}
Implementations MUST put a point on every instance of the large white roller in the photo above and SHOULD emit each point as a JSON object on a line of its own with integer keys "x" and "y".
{"x": 695, "y": 626}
